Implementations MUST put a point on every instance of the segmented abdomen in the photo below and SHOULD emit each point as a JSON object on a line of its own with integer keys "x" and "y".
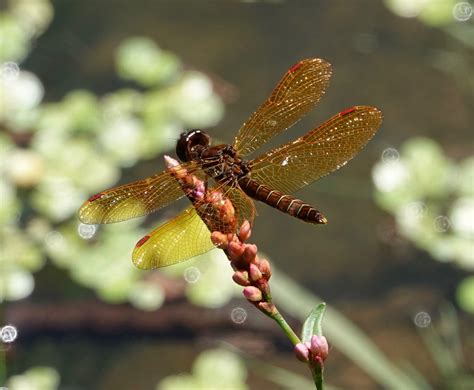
{"x": 286, "y": 203}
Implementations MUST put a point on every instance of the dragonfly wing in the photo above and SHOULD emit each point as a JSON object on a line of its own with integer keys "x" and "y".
{"x": 177, "y": 240}
{"x": 319, "y": 152}
{"x": 297, "y": 92}
{"x": 244, "y": 206}
{"x": 225, "y": 207}
{"x": 134, "y": 199}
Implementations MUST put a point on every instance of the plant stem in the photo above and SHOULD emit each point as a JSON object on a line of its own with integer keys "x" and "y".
{"x": 317, "y": 372}
{"x": 285, "y": 327}
{"x": 343, "y": 334}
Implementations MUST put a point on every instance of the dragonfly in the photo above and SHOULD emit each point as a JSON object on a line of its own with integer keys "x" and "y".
{"x": 270, "y": 178}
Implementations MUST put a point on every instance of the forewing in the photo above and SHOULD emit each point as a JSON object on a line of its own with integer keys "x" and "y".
{"x": 297, "y": 92}
{"x": 321, "y": 151}
{"x": 177, "y": 240}
{"x": 134, "y": 199}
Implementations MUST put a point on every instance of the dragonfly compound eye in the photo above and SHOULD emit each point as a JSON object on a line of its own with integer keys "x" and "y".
{"x": 191, "y": 143}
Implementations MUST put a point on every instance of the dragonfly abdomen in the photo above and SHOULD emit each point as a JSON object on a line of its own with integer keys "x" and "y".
{"x": 283, "y": 202}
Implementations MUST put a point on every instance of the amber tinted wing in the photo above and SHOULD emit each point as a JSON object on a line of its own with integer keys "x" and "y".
{"x": 134, "y": 199}
{"x": 244, "y": 206}
{"x": 177, "y": 240}
{"x": 188, "y": 235}
{"x": 297, "y": 92}
{"x": 322, "y": 150}
{"x": 225, "y": 208}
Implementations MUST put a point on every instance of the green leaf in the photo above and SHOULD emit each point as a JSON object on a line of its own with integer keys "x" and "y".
{"x": 312, "y": 325}
{"x": 465, "y": 294}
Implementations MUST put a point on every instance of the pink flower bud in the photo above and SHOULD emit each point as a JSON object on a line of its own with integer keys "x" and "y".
{"x": 319, "y": 347}
{"x": 226, "y": 212}
{"x": 253, "y": 294}
{"x": 267, "y": 307}
{"x": 245, "y": 231}
{"x": 254, "y": 272}
{"x": 170, "y": 162}
{"x": 196, "y": 194}
{"x": 264, "y": 286}
{"x": 265, "y": 268}
{"x": 301, "y": 352}
{"x": 219, "y": 239}
{"x": 235, "y": 250}
{"x": 197, "y": 189}
{"x": 250, "y": 252}
{"x": 241, "y": 277}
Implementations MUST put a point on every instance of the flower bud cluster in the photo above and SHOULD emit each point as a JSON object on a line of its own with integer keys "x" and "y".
{"x": 251, "y": 272}
{"x": 219, "y": 215}
{"x": 314, "y": 351}
{"x": 192, "y": 186}
{"x": 213, "y": 207}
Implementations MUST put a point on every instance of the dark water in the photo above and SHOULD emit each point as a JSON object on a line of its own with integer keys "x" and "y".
{"x": 379, "y": 59}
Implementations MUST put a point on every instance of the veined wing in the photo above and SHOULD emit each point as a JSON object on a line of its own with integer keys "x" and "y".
{"x": 134, "y": 199}
{"x": 244, "y": 206}
{"x": 189, "y": 234}
{"x": 321, "y": 151}
{"x": 297, "y": 92}
{"x": 225, "y": 208}
{"x": 177, "y": 240}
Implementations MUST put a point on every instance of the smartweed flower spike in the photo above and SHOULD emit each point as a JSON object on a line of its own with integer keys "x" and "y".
{"x": 250, "y": 271}
{"x": 193, "y": 187}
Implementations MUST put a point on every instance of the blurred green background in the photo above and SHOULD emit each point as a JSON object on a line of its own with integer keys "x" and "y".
{"x": 94, "y": 93}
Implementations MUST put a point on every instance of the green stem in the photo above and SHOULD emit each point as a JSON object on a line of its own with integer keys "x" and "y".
{"x": 344, "y": 335}
{"x": 317, "y": 372}
{"x": 285, "y": 327}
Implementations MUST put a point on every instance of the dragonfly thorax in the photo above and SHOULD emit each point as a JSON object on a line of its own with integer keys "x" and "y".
{"x": 223, "y": 164}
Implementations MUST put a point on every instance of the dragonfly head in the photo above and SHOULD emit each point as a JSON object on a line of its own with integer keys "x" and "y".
{"x": 191, "y": 144}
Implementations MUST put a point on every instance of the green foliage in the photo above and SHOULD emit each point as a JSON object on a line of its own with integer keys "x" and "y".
{"x": 212, "y": 369}
{"x": 24, "y": 20}
{"x": 432, "y": 12}
{"x": 141, "y": 60}
{"x": 78, "y": 146}
{"x": 443, "y": 341}
{"x": 465, "y": 294}
{"x": 36, "y": 378}
{"x": 207, "y": 278}
{"x": 13, "y": 39}
{"x": 312, "y": 327}
{"x": 431, "y": 198}
{"x": 313, "y": 323}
